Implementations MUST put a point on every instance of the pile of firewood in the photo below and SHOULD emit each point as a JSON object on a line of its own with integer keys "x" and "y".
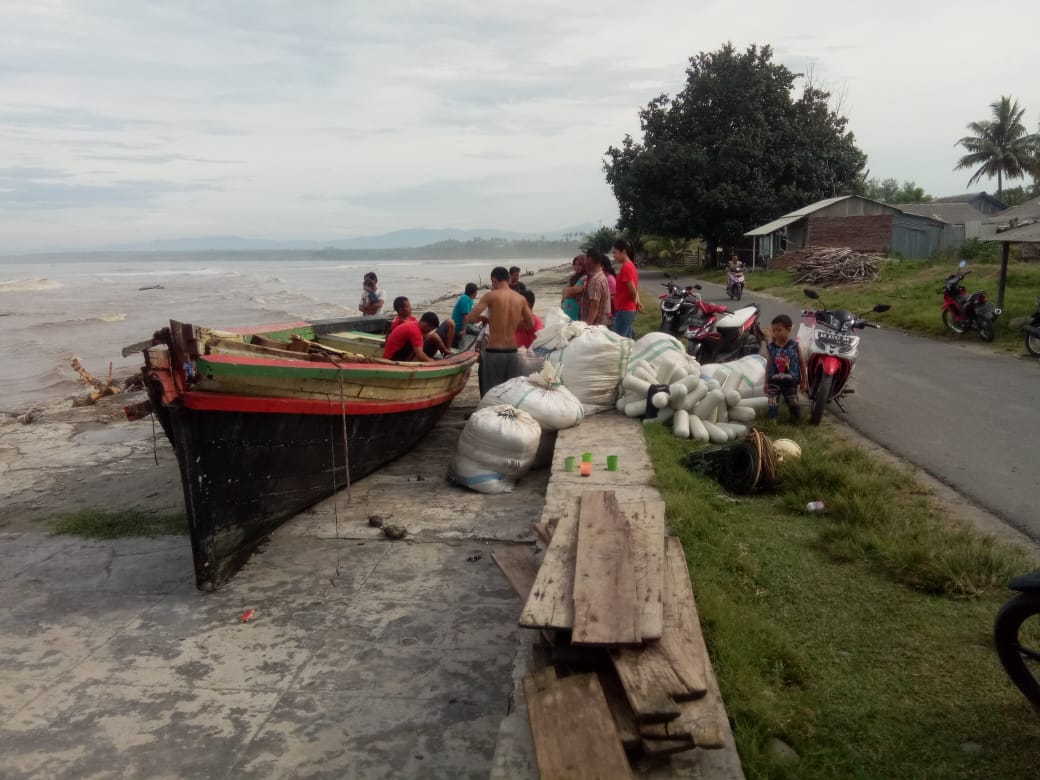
{"x": 826, "y": 266}
{"x": 622, "y": 677}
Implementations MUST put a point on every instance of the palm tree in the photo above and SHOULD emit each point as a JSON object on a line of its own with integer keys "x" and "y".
{"x": 1001, "y": 147}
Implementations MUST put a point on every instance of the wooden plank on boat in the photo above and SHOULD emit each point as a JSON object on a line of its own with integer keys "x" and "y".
{"x": 518, "y": 565}
{"x": 606, "y": 610}
{"x": 551, "y": 603}
{"x": 646, "y": 521}
{"x": 574, "y": 734}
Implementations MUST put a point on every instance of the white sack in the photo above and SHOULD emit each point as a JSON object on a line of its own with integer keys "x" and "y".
{"x": 497, "y": 446}
{"x": 590, "y": 363}
{"x": 542, "y": 396}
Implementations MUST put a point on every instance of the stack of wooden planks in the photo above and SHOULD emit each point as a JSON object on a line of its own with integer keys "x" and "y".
{"x": 626, "y": 675}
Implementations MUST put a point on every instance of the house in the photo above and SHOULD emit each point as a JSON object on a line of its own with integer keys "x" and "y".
{"x": 856, "y": 222}
{"x": 961, "y": 214}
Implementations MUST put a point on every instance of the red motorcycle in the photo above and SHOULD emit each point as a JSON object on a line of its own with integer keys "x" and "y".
{"x": 714, "y": 334}
{"x": 962, "y": 312}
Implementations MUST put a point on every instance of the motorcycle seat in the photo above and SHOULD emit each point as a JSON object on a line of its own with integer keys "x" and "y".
{"x": 712, "y": 308}
{"x": 736, "y": 319}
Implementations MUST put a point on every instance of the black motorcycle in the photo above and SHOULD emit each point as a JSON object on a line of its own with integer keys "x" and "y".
{"x": 1033, "y": 332}
{"x": 1016, "y": 634}
{"x": 676, "y": 306}
{"x": 962, "y": 312}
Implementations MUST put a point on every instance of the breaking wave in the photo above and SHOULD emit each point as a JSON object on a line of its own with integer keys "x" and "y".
{"x": 29, "y": 285}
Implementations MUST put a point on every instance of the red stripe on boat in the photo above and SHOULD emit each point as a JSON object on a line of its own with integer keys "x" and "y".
{"x": 221, "y": 402}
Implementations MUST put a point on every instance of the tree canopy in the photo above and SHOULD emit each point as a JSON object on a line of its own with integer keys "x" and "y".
{"x": 1001, "y": 146}
{"x": 735, "y": 148}
{"x": 890, "y": 191}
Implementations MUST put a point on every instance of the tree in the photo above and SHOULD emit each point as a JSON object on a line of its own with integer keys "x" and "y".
{"x": 889, "y": 191}
{"x": 735, "y": 148}
{"x": 1001, "y": 147}
{"x": 1014, "y": 196}
{"x": 603, "y": 239}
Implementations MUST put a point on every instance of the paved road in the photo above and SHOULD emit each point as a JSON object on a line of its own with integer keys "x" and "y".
{"x": 962, "y": 414}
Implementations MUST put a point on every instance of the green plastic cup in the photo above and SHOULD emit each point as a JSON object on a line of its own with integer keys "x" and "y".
{"x": 586, "y": 457}
{"x": 611, "y": 462}
{"x": 568, "y": 463}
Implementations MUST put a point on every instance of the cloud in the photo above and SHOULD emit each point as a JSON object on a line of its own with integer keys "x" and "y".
{"x": 40, "y": 188}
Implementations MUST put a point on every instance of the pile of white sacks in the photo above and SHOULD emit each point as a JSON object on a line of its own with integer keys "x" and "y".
{"x": 590, "y": 369}
{"x": 715, "y": 402}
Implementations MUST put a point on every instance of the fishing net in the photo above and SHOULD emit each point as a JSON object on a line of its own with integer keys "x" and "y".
{"x": 740, "y": 468}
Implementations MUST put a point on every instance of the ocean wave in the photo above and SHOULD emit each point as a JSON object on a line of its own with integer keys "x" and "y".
{"x": 107, "y": 317}
{"x": 29, "y": 285}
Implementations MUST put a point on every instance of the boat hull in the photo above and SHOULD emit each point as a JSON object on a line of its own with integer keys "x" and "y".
{"x": 262, "y": 432}
{"x": 245, "y": 472}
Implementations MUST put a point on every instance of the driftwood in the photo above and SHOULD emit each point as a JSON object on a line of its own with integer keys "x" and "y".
{"x": 99, "y": 388}
{"x": 827, "y": 266}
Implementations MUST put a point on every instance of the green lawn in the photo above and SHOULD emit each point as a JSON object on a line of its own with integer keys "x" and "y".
{"x": 860, "y": 636}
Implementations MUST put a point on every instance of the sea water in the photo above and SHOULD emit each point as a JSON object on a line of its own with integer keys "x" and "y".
{"x": 56, "y": 307}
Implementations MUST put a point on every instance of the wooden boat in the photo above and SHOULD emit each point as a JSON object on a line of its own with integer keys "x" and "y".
{"x": 268, "y": 421}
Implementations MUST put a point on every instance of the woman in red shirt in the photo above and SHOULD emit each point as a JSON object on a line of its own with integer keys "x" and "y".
{"x": 626, "y": 300}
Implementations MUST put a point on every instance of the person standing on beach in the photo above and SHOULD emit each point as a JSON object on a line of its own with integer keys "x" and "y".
{"x": 514, "y": 280}
{"x": 506, "y": 312}
{"x": 463, "y": 306}
{"x": 372, "y": 299}
{"x": 571, "y": 300}
{"x": 611, "y": 276}
{"x": 595, "y": 297}
{"x": 525, "y": 336}
{"x": 627, "y": 298}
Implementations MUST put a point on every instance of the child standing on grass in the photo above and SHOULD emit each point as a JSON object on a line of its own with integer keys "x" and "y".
{"x": 784, "y": 370}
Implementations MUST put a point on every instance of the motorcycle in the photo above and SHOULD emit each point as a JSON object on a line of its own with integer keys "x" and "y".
{"x": 676, "y": 306}
{"x": 735, "y": 282}
{"x": 1033, "y": 332}
{"x": 962, "y": 312}
{"x": 1016, "y": 633}
{"x": 829, "y": 338}
{"x": 714, "y": 334}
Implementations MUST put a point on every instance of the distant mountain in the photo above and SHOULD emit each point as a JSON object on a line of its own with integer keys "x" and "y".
{"x": 397, "y": 239}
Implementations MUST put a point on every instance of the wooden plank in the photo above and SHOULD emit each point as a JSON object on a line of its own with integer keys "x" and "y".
{"x": 574, "y": 734}
{"x": 646, "y": 521}
{"x": 683, "y": 642}
{"x": 666, "y": 747}
{"x": 647, "y": 677}
{"x": 701, "y": 720}
{"x": 551, "y": 603}
{"x": 624, "y": 718}
{"x": 606, "y": 610}
{"x": 518, "y": 565}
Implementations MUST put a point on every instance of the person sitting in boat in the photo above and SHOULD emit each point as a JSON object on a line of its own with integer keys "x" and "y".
{"x": 403, "y": 307}
{"x": 441, "y": 339}
{"x": 372, "y": 298}
{"x": 406, "y": 341}
{"x": 505, "y": 312}
{"x": 463, "y": 306}
{"x": 525, "y": 336}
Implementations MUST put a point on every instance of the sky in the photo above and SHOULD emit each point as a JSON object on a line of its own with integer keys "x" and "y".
{"x": 126, "y": 121}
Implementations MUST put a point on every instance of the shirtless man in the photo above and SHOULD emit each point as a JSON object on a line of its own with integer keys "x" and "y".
{"x": 505, "y": 312}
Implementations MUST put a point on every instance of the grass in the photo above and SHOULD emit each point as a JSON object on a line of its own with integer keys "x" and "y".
{"x": 860, "y": 636}
{"x": 99, "y": 524}
{"x": 914, "y": 289}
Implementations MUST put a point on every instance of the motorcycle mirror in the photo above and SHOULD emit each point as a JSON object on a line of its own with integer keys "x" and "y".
{"x": 880, "y": 307}
{"x": 810, "y": 293}
{"x": 962, "y": 264}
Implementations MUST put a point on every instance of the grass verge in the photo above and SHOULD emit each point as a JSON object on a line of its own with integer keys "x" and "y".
{"x": 99, "y": 524}
{"x": 860, "y": 636}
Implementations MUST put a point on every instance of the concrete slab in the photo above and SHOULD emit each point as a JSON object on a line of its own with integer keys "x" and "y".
{"x": 325, "y": 734}
{"x": 106, "y": 729}
{"x": 22, "y": 551}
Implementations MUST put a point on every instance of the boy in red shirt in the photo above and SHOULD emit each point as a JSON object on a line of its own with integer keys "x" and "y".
{"x": 405, "y": 342}
{"x": 525, "y": 336}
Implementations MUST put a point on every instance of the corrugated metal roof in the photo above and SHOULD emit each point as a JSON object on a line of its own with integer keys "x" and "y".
{"x": 1027, "y": 234}
{"x": 1028, "y": 210}
{"x": 952, "y": 213}
{"x": 794, "y": 216}
{"x": 968, "y": 197}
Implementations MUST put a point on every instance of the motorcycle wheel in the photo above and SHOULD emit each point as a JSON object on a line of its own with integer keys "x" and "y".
{"x": 820, "y": 398}
{"x": 951, "y": 323}
{"x": 986, "y": 330}
{"x": 1016, "y": 633}
{"x": 739, "y": 289}
{"x": 1033, "y": 345}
